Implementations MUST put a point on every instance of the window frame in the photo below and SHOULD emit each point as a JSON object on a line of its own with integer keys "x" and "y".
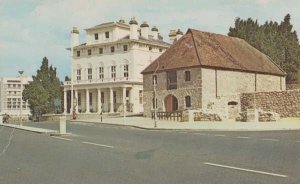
{"x": 112, "y": 49}
{"x": 78, "y": 74}
{"x": 101, "y": 72}
{"x": 188, "y": 101}
{"x": 187, "y": 76}
{"x": 90, "y": 73}
{"x": 96, "y": 36}
{"x": 107, "y": 34}
{"x": 171, "y": 80}
{"x": 113, "y": 72}
{"x": 101, "y": 50}
{"x": 126, "y": 70}
{"x": 125, "y": 48}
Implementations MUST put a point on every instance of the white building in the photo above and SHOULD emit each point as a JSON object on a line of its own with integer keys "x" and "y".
{"x": 107, "y": 68}
{"x": 10, "y": 96}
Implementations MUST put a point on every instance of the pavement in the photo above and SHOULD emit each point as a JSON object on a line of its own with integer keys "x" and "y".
{"x": 100, "y": 153}
{"x": 29, "y": 128}
{"x": 148, "y": 123}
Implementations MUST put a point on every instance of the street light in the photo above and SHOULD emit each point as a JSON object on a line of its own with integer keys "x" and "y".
{"x": 21, "y": 102}
{"x": 154, "y": 89}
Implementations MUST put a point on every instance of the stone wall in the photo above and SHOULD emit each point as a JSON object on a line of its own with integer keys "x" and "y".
{"x": 190, "y": 88}
{"x": 285, "y": 103}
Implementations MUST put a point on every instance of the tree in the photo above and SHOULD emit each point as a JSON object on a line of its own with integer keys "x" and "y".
{"x": 43, "y": 90}
{"x": 277, "y": 40}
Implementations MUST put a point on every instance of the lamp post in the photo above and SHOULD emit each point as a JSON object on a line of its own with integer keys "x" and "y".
{"x": 155, "y": 102}
{"x": 21, "y": 101}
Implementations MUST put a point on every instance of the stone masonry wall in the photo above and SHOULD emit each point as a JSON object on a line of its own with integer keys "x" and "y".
{"x": 285, "y": 103}
{"x": 190, "y": 88}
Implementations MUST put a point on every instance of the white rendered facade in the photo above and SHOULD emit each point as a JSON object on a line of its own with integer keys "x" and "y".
{"x": 10, "y": 96}
{"x": 107, "y": 68}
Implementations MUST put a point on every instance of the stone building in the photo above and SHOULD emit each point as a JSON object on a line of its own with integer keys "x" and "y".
{"x": 106, "y": 69}
{"x": 208, "y": 71}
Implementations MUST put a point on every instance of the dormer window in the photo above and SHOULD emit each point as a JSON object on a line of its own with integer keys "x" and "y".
{"x": 106, "y": 35}
{"x": 100, "y": 50}
{"x": 112, "y": 49}
{"x": 125, "y": 48}
{"x": 89, "y": 52}
{"x": 78, "y": 53}
{"x": 96, "y": 36}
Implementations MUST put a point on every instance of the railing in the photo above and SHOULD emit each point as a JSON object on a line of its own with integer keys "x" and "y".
{"x": 177, "y": 115}
{"x": 96, "y": 81}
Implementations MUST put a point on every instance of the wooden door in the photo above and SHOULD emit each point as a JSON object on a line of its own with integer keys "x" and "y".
{"x": 171, "y": 103}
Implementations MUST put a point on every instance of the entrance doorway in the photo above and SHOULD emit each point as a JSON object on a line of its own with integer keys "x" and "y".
{"x": 171, "y": 103}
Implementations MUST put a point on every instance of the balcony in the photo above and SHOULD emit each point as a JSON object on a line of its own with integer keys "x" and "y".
{"x": 97, "y": 81}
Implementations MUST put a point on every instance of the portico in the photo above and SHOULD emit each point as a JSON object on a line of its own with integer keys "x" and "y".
{"x": 95, "y": 99}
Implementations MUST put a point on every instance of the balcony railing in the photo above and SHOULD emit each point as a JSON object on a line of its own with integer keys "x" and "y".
{"x": 97, "y": 81}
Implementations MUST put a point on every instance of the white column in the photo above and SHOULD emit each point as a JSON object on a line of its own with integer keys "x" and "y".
{"x": 65, "y": 101}
{"x": 111, "y": 100}
{"x": 76, "y": 97}
{"x": 124, "y": 99}
{"x": 99, "y": 101}
{"x": 87, "y": 101}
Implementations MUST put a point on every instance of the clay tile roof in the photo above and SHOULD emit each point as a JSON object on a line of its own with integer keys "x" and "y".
{"x": 202, "y": 49}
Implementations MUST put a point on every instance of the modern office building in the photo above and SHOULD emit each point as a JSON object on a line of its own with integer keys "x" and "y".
{"x": 10, "y": 96}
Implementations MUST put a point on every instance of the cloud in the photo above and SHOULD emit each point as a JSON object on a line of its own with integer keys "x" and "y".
{"x": 32, "y": 29}
{"x": 264, "y": 1}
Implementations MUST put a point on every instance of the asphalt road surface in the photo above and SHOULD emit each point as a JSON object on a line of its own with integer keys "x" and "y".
{"x": 116, "y": 155}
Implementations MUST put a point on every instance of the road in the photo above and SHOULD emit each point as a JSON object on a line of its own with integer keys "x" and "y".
{"x": 111, "y": 154}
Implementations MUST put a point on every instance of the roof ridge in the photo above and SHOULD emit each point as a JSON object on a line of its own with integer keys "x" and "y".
{"x": 196, "y": 49}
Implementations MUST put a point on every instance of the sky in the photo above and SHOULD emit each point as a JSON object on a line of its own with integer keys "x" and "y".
{"x": 33, "y": 29}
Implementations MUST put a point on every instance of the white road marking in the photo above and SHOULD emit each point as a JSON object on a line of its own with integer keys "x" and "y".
{"x": 270, "y": 139}
{"x": 247, "y": 170}
{"x": 220, "y": 135}
{"x": 243, "y": 137}
{"x": 95, "y": 144}
{"x": 61, "y": 138}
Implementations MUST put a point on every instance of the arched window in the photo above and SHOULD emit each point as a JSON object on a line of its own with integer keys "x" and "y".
{"x": 188, "y": 101}
{"x": 187, "y": 75}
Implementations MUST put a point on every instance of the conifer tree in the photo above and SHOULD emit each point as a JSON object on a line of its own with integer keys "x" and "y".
{"x": 43, "y": 90}
{"x": 277, "y": 40}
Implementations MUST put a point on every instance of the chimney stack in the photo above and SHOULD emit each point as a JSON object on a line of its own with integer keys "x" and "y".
{"x": 133, "y": 29}
{"x": 74, "y": 37}
{"x": 155, "y": 33}
{"x": 145, "y": 30}
{"x": 179, "y": 34}
{"x": 172, "y": 36}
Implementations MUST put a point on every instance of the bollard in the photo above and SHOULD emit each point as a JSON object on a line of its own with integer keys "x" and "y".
{"x": 62, "y": 124}
{"x": 191, "y": 116}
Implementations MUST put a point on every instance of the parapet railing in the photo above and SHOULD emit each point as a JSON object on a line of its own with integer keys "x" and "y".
{"x": 176, "y": 115}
